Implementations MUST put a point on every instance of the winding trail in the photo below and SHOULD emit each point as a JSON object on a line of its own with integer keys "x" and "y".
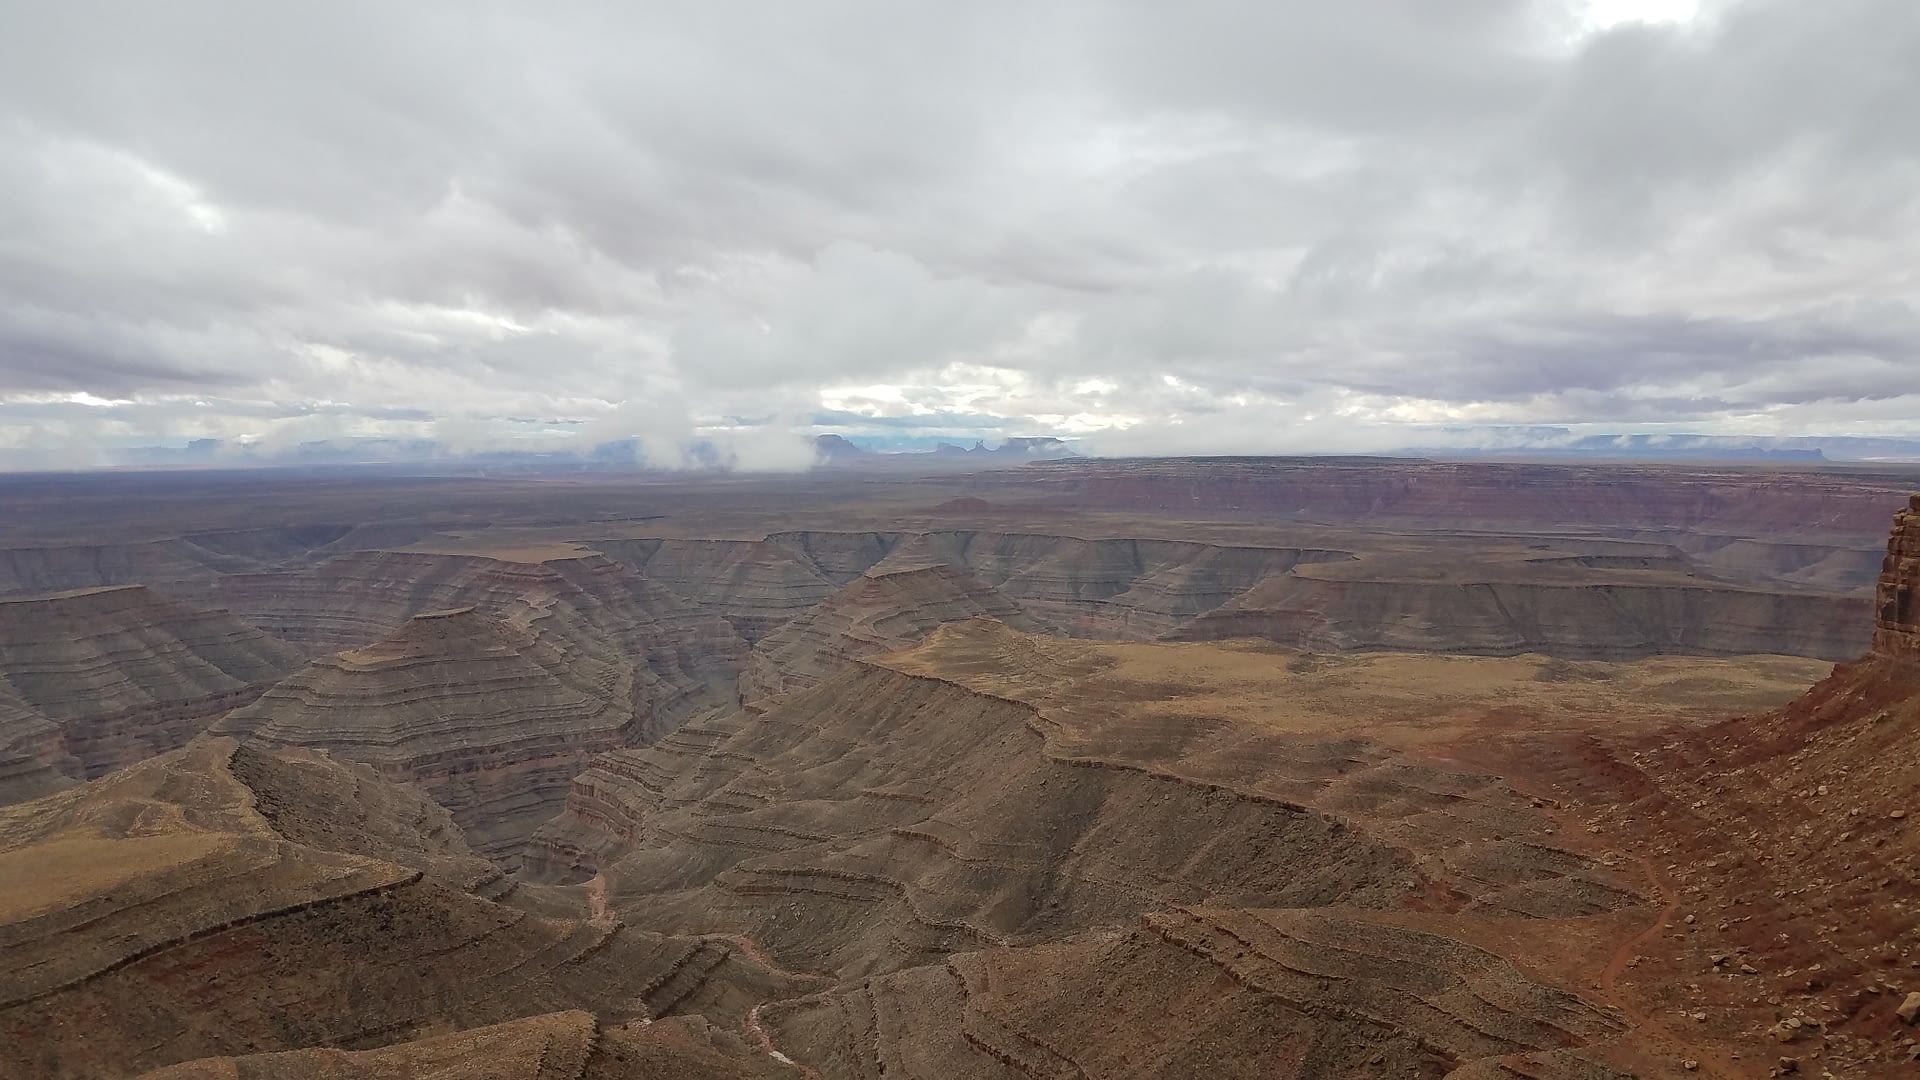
{"x": 755, "y": 1029}
{"x": 1630, "y": 949}
{"x": 760, "y": 1035}
{"x": 1711, "y": 1057}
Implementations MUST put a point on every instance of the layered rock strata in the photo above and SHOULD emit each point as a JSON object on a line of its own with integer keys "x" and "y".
{"x": 184, "y": 908}
{"x": 1026, "y": 856}
{"x": 888, "y": 608}
{"x": 491, "y": 717}
{"x": 890, "y": 793}
{"x": 124, "y": 673}
{"x": 1896, "y": 631}
{"x": 1591, "y": 620}
{"x": 684, "y": 659}
{"x": 32, "y": 760}
{"x": 1287, "y": 993}
{"x": 1117, "y": 588}
{"x": 1730, "y": 501}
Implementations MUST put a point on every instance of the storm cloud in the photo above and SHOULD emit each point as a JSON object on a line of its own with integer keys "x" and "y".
{"x": 1211, "y": 226}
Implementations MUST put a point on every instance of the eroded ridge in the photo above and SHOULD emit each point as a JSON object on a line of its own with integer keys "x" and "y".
{"x": 122, "y": 673}
{"x": 221, "y": 900}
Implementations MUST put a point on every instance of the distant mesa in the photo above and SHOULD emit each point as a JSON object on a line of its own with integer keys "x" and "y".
{"x": 1026, "y": 448}
{"x": 836, "y": 450}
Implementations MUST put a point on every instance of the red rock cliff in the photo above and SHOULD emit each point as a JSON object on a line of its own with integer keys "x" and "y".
{"x": 1896, "y": 629}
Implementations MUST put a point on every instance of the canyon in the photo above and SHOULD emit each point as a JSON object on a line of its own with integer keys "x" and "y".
{"x": 1235, "y": 767}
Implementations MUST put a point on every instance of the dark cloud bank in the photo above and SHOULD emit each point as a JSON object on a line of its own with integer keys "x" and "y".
{"x": 1154, "y": 227}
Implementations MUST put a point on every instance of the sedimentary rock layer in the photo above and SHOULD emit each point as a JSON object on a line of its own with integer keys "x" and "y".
{"x": 125, "y": 673}
{"x": 1896, "y": 630}
{"x": 912, "y": 810}
{"x": 888, "y": 608}
{"x": 492, "y": 717}
{"x": 32, "y": 761}
{"x": 161, "y": 912}
{"x": 1733, "y": 500}
{"x": 1599, "y": 620}
{"x": 1121, "y": 588}
{"x": 684, "y": 658}
{"x": 1286, "y": 994}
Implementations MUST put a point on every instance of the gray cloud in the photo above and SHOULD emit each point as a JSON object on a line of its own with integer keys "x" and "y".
{"x": 1223, "y": 225}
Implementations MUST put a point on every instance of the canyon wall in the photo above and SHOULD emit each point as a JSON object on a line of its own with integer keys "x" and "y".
{"x": 125, "y": 673}
{"x": 1582, "y": 621}
{"x": 491, "y": 717}
{"x": 887, "y": 608}
{"x": 1896, "y": 630}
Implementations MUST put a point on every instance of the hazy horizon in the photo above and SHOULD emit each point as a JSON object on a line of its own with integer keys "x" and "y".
{"x": 1217, "y": 228}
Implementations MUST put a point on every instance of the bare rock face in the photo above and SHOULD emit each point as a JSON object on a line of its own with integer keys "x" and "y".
{"x": 32, "y": 761}
{"x": 890, "y": 607}
{"x": 1896, "y": 631}
{"x": 124, "y": 673}
{"x": 491, "y": 717}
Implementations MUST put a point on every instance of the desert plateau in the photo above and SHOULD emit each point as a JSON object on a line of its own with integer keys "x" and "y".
{"x": 1086, "y": 768}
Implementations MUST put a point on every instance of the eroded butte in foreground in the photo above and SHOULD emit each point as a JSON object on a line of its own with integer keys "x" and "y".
{"x": 1342, "y": 768}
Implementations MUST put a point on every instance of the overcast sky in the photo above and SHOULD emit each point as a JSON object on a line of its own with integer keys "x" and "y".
{"x": 1155, "y": 226}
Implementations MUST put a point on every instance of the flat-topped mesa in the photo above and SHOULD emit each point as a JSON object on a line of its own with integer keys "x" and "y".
{"x": 492, "y": 716}
{"x": 1896, "y": 631}
{"x": 124, "y": 672}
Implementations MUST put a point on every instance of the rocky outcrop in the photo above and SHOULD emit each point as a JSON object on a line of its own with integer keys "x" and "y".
{"x": 184, "y": 908}
{"x": 1896, "y": 631}
{"x": 124, "y": 673}
{"x": 491, "y": 717}
{"x": 890, "y": 607}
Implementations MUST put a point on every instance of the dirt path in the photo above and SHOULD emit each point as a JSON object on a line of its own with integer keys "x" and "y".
{"x": 1630, "y": 949}
{"x": 1652, "y": 1032}
{"x": 755, "y": 1029}
{"x": 759, "y": 1033}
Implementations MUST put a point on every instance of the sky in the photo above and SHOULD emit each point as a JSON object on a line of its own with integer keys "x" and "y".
{"x": 1205, "y": 227}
